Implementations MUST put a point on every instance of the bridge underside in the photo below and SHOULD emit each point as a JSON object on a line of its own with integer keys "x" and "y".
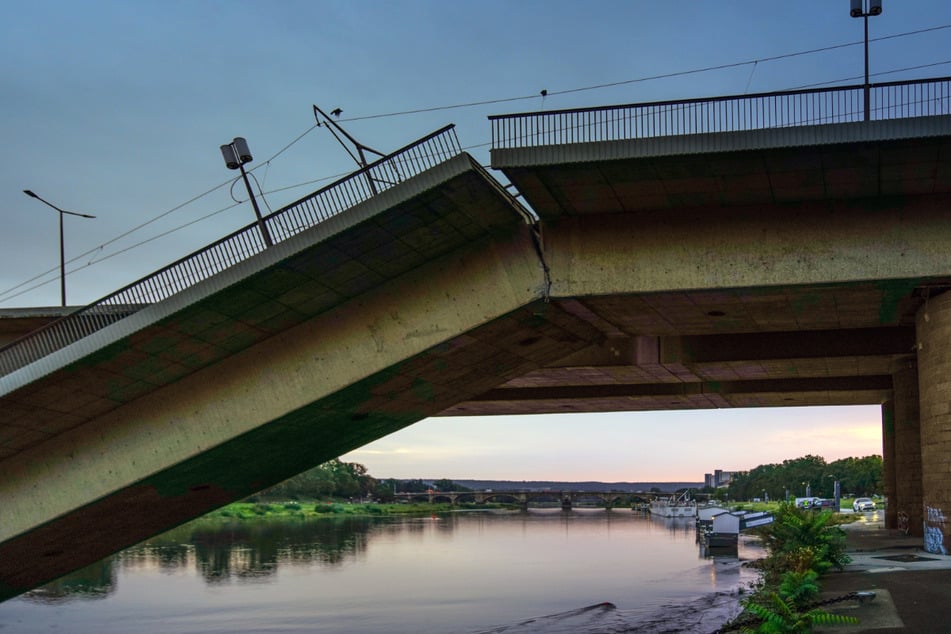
{"x": 438, "y": 298}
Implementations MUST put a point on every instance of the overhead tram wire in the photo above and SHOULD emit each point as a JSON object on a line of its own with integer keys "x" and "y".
{"x": 550, "y": 93}
{"x": 5, "y": 296}
{"x": 878, "y": 74}
{"x": 5, "y": 293}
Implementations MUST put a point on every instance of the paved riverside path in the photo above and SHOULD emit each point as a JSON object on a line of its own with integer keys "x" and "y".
{"x": 913, "y": 587}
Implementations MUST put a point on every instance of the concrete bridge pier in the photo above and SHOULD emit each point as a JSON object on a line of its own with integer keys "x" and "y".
{"x": 908, "y": 466}
{"x": 888, "y": 460}
{"x": 933, "y": 327}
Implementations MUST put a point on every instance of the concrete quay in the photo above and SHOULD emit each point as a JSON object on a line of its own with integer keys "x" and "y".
{"x": 912, "y": 586}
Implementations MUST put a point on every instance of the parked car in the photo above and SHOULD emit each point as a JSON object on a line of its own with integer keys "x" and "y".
{"x": 863, "y": 504}
{"x": 808, "y": 503}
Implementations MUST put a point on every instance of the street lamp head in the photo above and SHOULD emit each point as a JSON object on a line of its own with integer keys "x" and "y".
{"x": 30, "y": 194}
{"x": 230, "y": 157}
{"x": 857, "y": 9}
{"x": 236, "y": 153}
{"x": 241, "y": 147}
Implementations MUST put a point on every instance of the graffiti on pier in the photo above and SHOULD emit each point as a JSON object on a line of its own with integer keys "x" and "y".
{"x": 934, "y": 530}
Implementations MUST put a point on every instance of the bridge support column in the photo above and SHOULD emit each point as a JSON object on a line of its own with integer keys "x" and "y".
{"x": 933, "y": 326}
{"x": 908, "y": 468}
{"x": 566, "y": 503}
{"x": 888, "y": 459}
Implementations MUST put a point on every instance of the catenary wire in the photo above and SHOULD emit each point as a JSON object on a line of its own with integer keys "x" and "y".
{"x": 266, "y": 163}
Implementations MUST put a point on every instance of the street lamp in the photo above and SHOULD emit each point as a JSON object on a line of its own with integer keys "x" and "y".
{"x": 236, "y": 154}
{"x": 864, "y": 9}
{"x": 62, "y": 247}
{"x": 836, "y": 491}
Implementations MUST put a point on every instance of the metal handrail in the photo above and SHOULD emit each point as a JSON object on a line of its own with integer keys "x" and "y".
{"x": 733, "y": 113}
{"x": 347, "y": 192}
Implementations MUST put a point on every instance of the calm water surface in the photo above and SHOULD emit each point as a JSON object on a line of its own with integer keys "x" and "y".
{"x": 468, "y": 572}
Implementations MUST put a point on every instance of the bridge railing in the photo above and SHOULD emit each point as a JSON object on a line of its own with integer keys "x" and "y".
{"x": 840, "y": 104}
{"x": 290, "y": 220}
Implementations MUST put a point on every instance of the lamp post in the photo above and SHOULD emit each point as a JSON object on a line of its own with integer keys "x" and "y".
{"x": 62, "y": 245}
{"x": 836, "y": 491}
{"x": 236, "y": 154}
{"x": 863, "y": 9}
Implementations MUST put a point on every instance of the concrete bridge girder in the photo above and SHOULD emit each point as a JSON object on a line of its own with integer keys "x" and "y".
{"x": 457, "y": 335}
{"x": 384, "y": 359}
{"x": 777, "y": 246}
{"x": 369, "y": 335}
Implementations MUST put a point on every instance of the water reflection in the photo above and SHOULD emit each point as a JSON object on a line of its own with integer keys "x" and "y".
{"x": 461, "y": 572}
{"x": 228, "y": 552}
{"x": 97, "y": 581}
{"x": 242, "y": 551}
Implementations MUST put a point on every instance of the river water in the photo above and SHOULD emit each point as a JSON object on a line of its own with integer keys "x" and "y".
{"x": 581, "y": 571}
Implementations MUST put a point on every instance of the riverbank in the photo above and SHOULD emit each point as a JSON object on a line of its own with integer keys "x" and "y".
{"x": 326, "y": 509}
{"x": 911, "y": 585}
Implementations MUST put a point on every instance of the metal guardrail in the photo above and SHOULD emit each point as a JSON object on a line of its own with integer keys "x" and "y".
{"x": 288, "y": 221}
{"x": 840, "y": 104}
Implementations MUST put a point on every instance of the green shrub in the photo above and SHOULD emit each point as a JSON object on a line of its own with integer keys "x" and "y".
{"x": 292, "y": 506}
{"x": 785, "y": 610}
{"x": 799, "y": 540}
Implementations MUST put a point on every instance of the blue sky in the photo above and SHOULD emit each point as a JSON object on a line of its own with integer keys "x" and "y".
{"x": 117, "y": 109}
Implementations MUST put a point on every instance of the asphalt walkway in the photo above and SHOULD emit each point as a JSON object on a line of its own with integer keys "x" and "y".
{"x": 912, "y": 587}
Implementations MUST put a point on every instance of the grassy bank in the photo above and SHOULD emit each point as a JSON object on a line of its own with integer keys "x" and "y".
{"x": 316, "y": 509}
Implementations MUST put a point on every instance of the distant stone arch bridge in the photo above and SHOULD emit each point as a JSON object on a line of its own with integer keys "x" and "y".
{"x": 567, "y": 499}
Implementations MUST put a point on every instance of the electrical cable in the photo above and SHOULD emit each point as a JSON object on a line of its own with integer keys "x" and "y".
{"x": 266, "y": 163}
{"x": 649, "y": 78}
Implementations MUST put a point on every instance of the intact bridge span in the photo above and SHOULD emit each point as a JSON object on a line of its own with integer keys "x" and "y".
{"x": 567, "y": 499}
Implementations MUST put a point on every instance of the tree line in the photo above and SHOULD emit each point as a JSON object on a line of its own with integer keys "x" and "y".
{"x": 350, "y": 480}
{"x": 857, "y": 477}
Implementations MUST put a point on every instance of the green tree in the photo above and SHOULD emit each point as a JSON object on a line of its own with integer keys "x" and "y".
{"x": 445, "y": 484}
{"x": 414, "y": 486}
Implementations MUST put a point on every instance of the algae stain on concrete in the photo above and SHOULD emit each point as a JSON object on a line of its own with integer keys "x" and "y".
{"x": 892, "y": 293}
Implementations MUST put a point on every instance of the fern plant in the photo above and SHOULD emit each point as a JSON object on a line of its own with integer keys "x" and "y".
{"x": 783, "y": 611}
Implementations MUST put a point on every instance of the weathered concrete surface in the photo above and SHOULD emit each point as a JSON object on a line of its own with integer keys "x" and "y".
{"x": 934, "y": 380}
{"x": 912, "y": 593}
{"x": 338, "y": 336}
{"x": 329, "y": 385}
{"x": 758, "y": 246}
{"x": 889, "y": 484}
{"x": 907, "y": 457}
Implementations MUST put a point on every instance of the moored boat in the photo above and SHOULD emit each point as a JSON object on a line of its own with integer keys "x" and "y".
{"x": 674, "y": 506}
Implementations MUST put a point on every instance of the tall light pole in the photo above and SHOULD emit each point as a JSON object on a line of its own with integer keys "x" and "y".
{"x": 236, "y": 154}
{"x": 863, "y": 9}
{"x": 836, "y": 491}
{"x": 62, "y": 245}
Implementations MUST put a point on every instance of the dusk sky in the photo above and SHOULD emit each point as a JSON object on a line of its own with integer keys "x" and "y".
{"x": 117, "y": 109}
